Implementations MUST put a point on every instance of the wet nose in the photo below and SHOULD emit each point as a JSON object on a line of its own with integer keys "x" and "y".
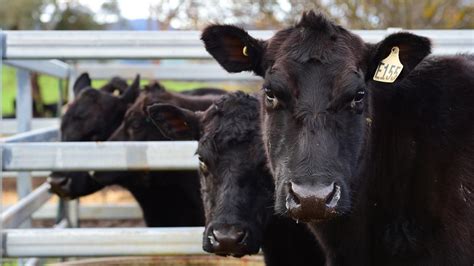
{"x": 59, "y": 184}
{"x": 227, "y": 239}
{"x": 312, "y": 202}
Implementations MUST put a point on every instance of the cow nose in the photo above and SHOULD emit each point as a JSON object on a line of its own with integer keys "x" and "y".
{"x": 227, "y": 240}
{"x": 312, "y": 202}
{"x": 58, "y": 185}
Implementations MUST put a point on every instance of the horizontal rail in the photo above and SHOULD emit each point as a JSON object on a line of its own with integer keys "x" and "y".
{"x": 9, "y": 125}
{"x": 197, "y": 72}
{"x": 53, "y": 68}
{"x": 34, "y": 174}
{"x": 102, "y": 242}
{"x": 18, "y": 213}
{"x": 170, "y": 44}
{"x": 43, "y": 134}
{"x": 94, "y": 211}
{"x": 100, "y": 156}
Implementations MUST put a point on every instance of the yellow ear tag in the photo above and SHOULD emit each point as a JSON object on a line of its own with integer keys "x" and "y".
{"x": 244, "y": 51}
{"x": 390, "y": 68}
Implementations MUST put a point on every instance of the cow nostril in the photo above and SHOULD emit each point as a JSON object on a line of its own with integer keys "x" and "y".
{"x": 212, "y": 238}
{"x": 226, "y": 236}
{"x": 333, "y": 198}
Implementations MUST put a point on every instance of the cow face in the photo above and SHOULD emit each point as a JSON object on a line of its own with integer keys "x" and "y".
{"x": 317, "y": 111}
{"x": 136, "y": 126}
{"x": 95, "y": 114}
{"x": 236, "y": 186}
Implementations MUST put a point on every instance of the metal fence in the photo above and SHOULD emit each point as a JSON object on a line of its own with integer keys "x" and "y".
{"x": 38, "y": 149}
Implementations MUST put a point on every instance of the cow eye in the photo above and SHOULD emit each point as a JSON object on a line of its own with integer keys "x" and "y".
{"x": 270, "y": 99}
{"x": 202, "y": 166}
{"x": 359, "y": 96}
{"x": 135, "y": 124}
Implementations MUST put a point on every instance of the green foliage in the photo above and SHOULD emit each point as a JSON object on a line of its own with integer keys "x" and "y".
{"x": 76, "y": 17}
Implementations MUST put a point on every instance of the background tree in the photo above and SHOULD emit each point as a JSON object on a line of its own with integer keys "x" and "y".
{"x": 21, "y": 14}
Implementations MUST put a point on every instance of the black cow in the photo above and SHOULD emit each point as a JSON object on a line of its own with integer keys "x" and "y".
{"x": 92, "y": 116}
{"x": 237, "y": 187}
{"x": 167, "y": 198}
{"x": 95, "y": 114}
{"x": 382, "y": 172}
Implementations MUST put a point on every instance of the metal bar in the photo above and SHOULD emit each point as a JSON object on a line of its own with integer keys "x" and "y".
{"x": 196, "y": 72}
{"x": 33, "y": 262}
{"x": 35, "y": 174}
{"x": 54, "y": 68}
{"x": 93, "y": 211}
{"x": 21, "y": 211}
{"x": 24, "y": 101}
{"x": 101, "y": 156}
{"x": 70, "y": 85}
{"x": 39, "y": 261}
{"x": 2, "y": 55}
{"x": 170, "y": 44}
{"x": 24, "y": 114}
{"x": 45, "y": 134}
{"x": 9, "y": 125}
{"x": 72, "y": 212}
{"x": 102, "y": 242}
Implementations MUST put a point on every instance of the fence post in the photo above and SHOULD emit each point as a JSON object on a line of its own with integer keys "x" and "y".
{"x": 24, "y": 113}
{"x": 2, "y": 55}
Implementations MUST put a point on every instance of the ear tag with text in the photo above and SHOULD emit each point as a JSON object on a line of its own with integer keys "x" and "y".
{"x": 390, "y": 68}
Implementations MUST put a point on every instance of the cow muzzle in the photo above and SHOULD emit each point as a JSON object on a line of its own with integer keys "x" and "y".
{"x": 313, "y": 202}
{"x": 228, "y": 240}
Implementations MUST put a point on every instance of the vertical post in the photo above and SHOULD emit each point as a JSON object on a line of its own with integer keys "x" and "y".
{"x": 60, "y": 99}
{"x": 72, "y": 78}
{"x": 70, "y": 209}
{"x": 2, "y": 55}
{"x": 24, "y": 113}
{"x": 73, "y": 212}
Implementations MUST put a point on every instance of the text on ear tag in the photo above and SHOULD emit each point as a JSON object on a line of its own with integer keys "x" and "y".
{"x": 389, "y": 68}
{"x": 244, "y": 51}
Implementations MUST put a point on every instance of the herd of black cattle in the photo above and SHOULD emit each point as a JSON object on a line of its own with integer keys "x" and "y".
{"x": 325, "y": 166}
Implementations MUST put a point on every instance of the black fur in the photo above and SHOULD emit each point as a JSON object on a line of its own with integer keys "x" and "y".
{"x": 402, "y": 154}
{"x": 237, "y": 188}
{"x": 167, "y": 198}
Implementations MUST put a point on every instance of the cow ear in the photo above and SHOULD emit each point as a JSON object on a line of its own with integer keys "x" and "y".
{"x": 82, "y": 82}
{"x": 412, "y": 49}
{"x": 131, "y": 93}
{"x": 234, "y": 49}
{"x": 174, "y": 122}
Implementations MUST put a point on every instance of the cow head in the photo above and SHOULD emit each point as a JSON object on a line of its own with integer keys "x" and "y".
{"x": 236, "y": 186}
{"x": 317, "y": 105}
{"x": 137, "y": 126}
{"x": 95, "y": 114}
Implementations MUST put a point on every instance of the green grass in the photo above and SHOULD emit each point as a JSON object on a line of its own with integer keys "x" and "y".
{"x": 49, "y": 87}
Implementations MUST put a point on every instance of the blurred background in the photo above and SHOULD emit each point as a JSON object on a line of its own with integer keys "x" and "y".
{"x": 154, "y": 15}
